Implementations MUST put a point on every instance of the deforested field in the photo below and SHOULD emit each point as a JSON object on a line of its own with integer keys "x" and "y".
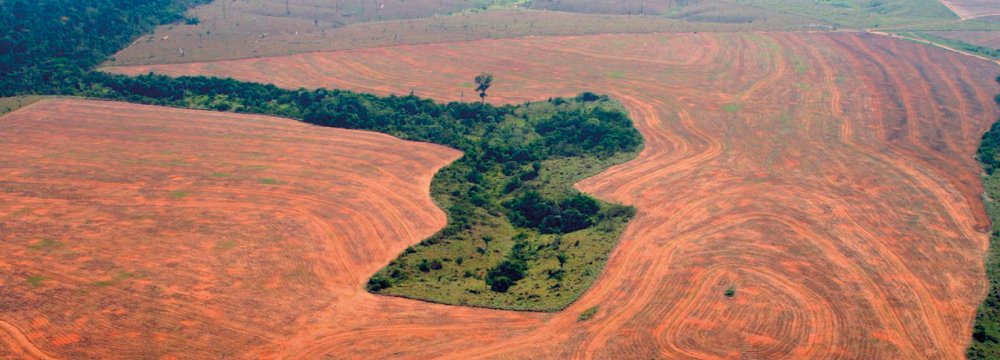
{"x": 799, "y": 196}
{"x": 973, "y": 8}
{"x": 133, "y": 231}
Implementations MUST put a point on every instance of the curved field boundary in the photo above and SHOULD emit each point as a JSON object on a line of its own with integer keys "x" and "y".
{"x": 827, "y": 179}
{"x": 970, "y": 9}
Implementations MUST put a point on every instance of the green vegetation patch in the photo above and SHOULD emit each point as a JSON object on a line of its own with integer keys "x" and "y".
{"x": 985, "y": 342}
{"x": 118, "y": 277}
{"x": 588, "y": 314}
{"x": 35, "y": 281}
{"x": 46, "y": 245}
{"x": 224, "y": 245}
{"x": 519, "y": 236}
{"x": 47, "y": 45}
{"x": 954, "y": 44}
{"x": 862, "y": 13}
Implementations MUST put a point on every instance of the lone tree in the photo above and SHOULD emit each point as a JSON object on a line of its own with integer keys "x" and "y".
{"x": 483, "y": 82}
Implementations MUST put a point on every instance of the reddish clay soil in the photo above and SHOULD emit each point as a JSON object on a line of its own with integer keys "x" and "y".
{"x": 967, "y": 9}
{"x": 135, "y": 232}
{"x": 827, "y": 178}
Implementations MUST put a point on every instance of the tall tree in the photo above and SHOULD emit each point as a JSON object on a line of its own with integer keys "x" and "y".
{"x": 483, "y": 82}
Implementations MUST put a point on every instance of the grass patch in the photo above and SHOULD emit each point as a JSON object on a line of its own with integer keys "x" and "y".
{"x": 617, "y": 75}
{"x": 220, "y": 175}
{"x": 9, "y": 104}
{"x": 269, "y": 181}
{"x": 588, "y": 314}
{"x": 954, "y": 44}
{"x": 35, "y": 281}
{"x": 46, "y": 245}
{"x": 179, "y": 194}
{"x": 117, "y": 277}
{"x": 226, "y": 245}
{"x": 862, "y": 13}
{"x": 732, "y": 108}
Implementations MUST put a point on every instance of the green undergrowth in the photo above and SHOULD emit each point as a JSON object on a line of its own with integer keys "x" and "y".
{"x": 986, "y": 329}
{"x": 527, "y": 240}
{"x": 558, "y": 266}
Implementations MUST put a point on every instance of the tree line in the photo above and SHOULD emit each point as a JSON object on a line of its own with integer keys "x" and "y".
{"x": 985, "y": 342}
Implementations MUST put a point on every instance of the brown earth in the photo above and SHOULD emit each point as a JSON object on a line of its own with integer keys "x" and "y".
{"x": 828, "y": 178}
{"x": 967, "y": 9}
{"x": 134, "y": 232}
{"x": 250, "y": 35}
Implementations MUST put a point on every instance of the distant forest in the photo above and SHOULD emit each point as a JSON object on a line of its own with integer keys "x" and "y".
{"x": 48, "y": 45}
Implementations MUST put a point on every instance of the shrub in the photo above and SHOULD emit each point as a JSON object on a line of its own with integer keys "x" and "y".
{"x": 506, "y": 274}
{"x": 377, "y": 283}
{"x": 588, "y": 314}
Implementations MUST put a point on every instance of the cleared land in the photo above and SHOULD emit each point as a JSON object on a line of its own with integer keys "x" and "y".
{"x": 255, "y": 28}
{"x": 133, "y": 232}
{"x": 799, "y": 196}
{"x": 973, "y": 8}
{"x": 256, "y": 36}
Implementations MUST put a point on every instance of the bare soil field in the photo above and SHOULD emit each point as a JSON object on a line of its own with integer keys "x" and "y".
{"x": 982, "y": 38}
{"x": 133, "y": 232}
{"x": 627, "y": 7}
{"x": 256, "y": 36}
{"x": 973, "y": 8}
{"x": 825, "y": 181}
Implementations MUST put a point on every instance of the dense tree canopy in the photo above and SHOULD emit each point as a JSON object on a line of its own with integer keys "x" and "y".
{"x": 47, "y": 45}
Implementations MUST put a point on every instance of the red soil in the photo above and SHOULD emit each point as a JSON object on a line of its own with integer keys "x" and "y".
{"x": 828, "y": 178}
{"x": 153, "y": 233}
